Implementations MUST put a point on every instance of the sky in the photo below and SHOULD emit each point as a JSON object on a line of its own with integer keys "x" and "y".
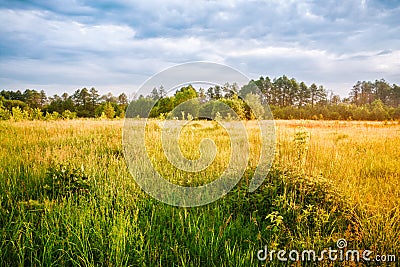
{"x": 115, "y": 46}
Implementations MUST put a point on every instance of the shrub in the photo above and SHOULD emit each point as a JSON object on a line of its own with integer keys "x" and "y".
{"x": 218, "y": 116}
{"x": 67, "y": 114}
{"x": 52, "y": 116}
{"x": 109, "y": 110}
{"x": 161, "y": 116}
{"x": 4, "y": 114}
{"x": 18, "y": 114}
{"x": 103, "y": 116}
{"x": 66, "y": 180}
{"x": 289, "y": 204}
{"x": 36, "y": 114}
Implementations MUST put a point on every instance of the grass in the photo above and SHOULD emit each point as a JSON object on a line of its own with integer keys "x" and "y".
{"x": 67, "y": 197}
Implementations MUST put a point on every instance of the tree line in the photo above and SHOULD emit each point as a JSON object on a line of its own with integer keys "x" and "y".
{"x": 366, "y": 100}
{"x": 286, "y": 97}
{"x": 83, "y": 103}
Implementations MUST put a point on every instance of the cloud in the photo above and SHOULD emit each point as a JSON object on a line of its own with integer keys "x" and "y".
{"x": 109, "y": 44}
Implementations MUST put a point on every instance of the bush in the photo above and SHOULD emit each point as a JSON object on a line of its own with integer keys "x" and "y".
{"x": 52, "y": 116}
{"x": 18, "y": 114}
{"x": 36, "y": 114}
{"x": 106, "y": 110}
{"x": 109, "y": 110}
{"x": 290, "y": 204}
{"x": 66, "y": 180}
{"x": 67, "y": 114}
{"x": 4, "y": 114}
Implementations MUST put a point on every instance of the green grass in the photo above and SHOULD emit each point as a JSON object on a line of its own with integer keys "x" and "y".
{"x": 67, "y": 197}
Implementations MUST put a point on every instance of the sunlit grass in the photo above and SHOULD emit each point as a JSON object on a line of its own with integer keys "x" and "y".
{"x": 362, "y": 159}
{"x": 115, "y": 223}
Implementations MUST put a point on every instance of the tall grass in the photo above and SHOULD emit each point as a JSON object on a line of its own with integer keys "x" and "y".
{"x": 362, "y": 160}
{"x": 342, "y": 184}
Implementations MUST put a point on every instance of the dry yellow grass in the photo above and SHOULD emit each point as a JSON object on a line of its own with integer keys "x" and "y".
{"x": 360, "y": 158}
{"x": 363, "y": 161}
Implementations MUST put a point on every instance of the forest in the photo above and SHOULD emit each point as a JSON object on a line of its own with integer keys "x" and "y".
{"x": 286, "y": 97}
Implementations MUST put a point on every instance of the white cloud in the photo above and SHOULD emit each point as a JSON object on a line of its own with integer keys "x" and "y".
{"x": 333, "y": 42}
{"x": 36, "y": 27}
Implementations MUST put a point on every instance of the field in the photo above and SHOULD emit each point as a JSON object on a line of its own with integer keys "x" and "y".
{"x": 67, "y": 197}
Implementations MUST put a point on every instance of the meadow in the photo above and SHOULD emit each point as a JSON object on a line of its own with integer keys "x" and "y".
{"x": 67, "y": 197}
